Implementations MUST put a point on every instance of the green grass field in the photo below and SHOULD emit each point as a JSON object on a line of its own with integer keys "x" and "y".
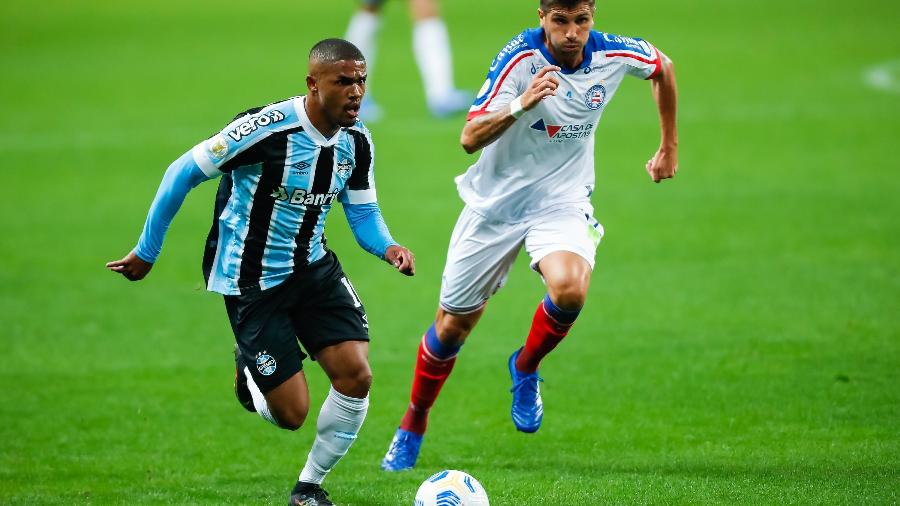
{"x": 741, "y": 341}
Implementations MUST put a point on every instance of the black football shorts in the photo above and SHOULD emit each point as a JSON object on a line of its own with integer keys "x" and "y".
{"x": 316, "y": 307}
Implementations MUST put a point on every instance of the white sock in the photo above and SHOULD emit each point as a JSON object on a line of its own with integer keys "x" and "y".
{"x": 361, "y": 32}
{"x": 431, "y": 45}
{"x": 339, "y": 421}
{"x": 259, "y": 400}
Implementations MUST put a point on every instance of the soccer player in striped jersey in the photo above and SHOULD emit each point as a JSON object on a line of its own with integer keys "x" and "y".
{"x": 535, "y": 120}
{"x": 288, "y": 163}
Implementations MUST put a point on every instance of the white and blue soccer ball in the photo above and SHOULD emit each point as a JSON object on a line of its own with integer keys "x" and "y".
{"x": 451, "y": 488}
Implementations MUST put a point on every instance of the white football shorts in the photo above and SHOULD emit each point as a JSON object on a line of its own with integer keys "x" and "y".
{"x": 482, "y": 251}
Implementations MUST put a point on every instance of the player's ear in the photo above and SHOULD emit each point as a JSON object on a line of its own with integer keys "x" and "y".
{"x": 311, "y": 84}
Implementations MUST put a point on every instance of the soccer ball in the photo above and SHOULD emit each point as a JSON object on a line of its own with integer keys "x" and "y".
{"x": 451, "y": 488}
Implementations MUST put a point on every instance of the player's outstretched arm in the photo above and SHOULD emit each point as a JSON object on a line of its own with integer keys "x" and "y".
{"x": 181, "y": 176}
{"x": 485, "y": 129}
{"x": 664, "y": 163}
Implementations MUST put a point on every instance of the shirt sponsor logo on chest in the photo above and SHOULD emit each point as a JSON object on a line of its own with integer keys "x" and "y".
{"x": 563, "y": 133}
{"x": 300, "y": 196}
{"x": 253, "y": 123}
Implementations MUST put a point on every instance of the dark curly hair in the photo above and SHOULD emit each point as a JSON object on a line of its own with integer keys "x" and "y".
{"x": 569, "y": 4}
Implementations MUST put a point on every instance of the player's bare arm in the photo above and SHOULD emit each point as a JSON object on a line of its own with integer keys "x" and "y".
{"x": 401, "y": 258}
{"x": 664, "y": 163}
{"x": 132, "y": 267}
{"x": 485, "y": 129}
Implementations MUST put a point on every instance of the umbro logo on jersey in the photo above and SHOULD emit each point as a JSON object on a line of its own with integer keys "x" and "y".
{"x": 301, "y": 167}
{"x": 248, "y": 127}
{"x": 561, "y": 133}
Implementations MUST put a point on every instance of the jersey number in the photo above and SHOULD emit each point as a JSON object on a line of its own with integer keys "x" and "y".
{"x": 352, "y": 292}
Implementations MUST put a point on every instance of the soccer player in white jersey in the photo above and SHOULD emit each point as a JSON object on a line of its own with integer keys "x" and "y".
{"x": 287, "y": 164}
{"x": 535, "y": 119}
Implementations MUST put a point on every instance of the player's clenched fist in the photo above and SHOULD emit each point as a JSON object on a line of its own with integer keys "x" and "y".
{"x": 132, "y": 267}
{"x": 663, "y": 165}
{"x": 542, "y": 86}
{"x": 401, "y": 258}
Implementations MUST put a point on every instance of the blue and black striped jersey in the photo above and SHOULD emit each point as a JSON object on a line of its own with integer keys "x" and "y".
{"x": 285, "y": 178}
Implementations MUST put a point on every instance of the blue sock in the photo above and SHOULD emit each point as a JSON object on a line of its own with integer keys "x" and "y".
{"x": 564, "y": 316}
{"x": 437, "y": 348}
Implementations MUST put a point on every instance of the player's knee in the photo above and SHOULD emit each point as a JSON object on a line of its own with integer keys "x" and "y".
{"x": 356, "y": 384}
{"x": 569, "y": 294}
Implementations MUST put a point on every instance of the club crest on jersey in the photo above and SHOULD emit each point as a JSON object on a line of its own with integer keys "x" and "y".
{"x": 218, "y": 147}
{"x": 344, "y": 168}
{"x": 562, "y": 133}
{"x": 254, "y": 122}
{"x": 265, "y": 364}
{"x": 595, "y": 97}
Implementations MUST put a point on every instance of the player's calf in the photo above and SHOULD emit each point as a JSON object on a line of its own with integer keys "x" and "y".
{"x": 549, "y": 326}
{"x": 288, "y": 403}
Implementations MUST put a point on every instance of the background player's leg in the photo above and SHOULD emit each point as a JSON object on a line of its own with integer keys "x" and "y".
{"x": 568, "y": 276}
{"x": 362, "y": 31}
{"x": 431, "y": 45}
{"x": 343, "y": 411}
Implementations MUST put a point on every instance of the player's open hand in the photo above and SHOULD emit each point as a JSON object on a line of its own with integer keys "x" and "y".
{"x": 663, "y": 165}
{"x": 401, "y": 258}
{"x": 132, "y": 267}
{"x": 542, "y": 86}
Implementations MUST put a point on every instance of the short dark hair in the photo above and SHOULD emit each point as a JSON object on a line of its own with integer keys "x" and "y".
{"x": 569, "y": 4}
{"x": 332, "y": 50}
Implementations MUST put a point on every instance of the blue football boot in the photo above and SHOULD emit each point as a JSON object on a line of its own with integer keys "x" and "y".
{"x": 527, "y": 408}
{"x": 403, "y": 452}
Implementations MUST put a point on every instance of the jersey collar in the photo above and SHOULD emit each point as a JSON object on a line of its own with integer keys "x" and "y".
{"x": 314, "y": 134}
{"x": 537, "y": 41}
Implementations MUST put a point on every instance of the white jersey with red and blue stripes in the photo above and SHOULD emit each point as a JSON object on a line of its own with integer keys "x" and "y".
{"x": 545, "y": 160}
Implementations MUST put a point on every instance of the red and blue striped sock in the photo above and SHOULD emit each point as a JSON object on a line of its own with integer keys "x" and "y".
{"x": 433, "y": 365}
{"x": 548, "y": 327}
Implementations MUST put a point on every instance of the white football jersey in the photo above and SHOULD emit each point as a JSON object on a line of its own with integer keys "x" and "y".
{"x": 545, "y": 160}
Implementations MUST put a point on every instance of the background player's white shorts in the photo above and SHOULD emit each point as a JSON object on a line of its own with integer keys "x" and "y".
{"x": 482, "y": 251}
